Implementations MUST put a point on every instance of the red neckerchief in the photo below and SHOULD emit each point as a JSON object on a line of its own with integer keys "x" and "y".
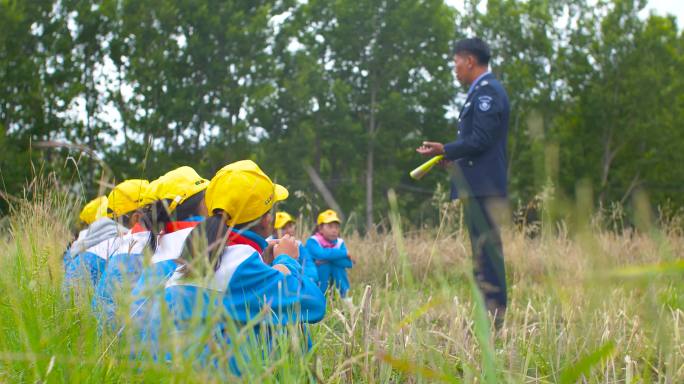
{"x": 174, "y": 226}
{"x": 137, "y": 228}
{"x": 236, "y": 238}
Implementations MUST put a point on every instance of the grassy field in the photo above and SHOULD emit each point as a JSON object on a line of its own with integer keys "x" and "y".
{"x": 586, "y": 305}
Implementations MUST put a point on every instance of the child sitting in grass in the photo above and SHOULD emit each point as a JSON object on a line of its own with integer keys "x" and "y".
{"x": 226, "y": 281}
{"x": 86, "y": 258}
{"x": 330, "y": 253}
{"x": 285, "y": 224}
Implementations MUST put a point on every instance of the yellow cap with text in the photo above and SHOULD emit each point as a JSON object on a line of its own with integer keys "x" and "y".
{"x": 243, "y": 191}
{"x": 177, "y": 185}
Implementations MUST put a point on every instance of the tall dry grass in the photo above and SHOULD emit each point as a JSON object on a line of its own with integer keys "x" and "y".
{"x": 586, "y": 305}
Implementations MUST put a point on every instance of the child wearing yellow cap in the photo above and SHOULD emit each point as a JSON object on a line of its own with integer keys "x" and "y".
{"x": 177, "y": 206}
{"x": 86, "y": 257}
{"x": 224, "y": 263}
{"x": 330, "y": 253}
{"x": 174, "y": 202}
{"x": 285, "y": 224}
{"x": 125, "y": 204}
{"x": 125, "y": 201}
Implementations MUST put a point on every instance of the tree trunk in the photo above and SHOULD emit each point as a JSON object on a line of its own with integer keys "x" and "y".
{"x": 317, "y": 149}
{"x": 122, "y": 110}
{"x": 609, "y": 154}
{"x": 370, "y": 158}
{"x": 517, "y": 133}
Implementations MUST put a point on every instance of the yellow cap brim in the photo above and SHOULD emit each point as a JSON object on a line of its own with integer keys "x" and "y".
{"x": 281, "y": 193}
{"x": 331, "y": 220}
{"x": 282, "y": 225}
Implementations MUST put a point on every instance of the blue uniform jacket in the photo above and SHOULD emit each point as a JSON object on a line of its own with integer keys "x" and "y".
{"x": 84, "y": 269}
{"x": 307, "y": 262}
{"x": 148, "y": 292}
{"x": 86, "y": 257}
{"x": 121, "y": 273}
{"x": 332, "y": 264}
{"x": 242, "y": 287}
{"x": 479, "y": 151}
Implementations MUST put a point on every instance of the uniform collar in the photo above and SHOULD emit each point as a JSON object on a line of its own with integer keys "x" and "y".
{"x": 137, "y": 228}
{"x": 190, "y": 222}
{"x": 325, "y": 243}
{"x": 247, "y": 237}
{"x": 474, "y": 84}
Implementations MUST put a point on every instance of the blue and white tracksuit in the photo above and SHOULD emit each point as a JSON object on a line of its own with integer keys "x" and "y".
{"x": 310, "y": 271}
{"x": 85, "y": 268}
{"x": 305, "y": 259}
{"x": 122, "y": 272}
{"x": 331, "y": 263}
{"x": 148, "y": 292}
{"x": 86, "y": 258}
{"x": 242, "y": 288}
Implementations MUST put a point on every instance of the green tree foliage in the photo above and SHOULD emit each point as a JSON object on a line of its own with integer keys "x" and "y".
{"x": 39, "y": 79}
{"x": 348, "y": 88}
{"x": 619, "y": 132}
{"x": 369, "y": 80}
{"x": 197, "y": 71}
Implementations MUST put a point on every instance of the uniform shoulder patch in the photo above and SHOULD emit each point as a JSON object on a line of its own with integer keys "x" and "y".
{"x": 484, "y": 103}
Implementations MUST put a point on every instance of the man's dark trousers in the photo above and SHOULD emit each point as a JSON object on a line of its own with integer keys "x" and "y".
{"x": 480, "y": 217}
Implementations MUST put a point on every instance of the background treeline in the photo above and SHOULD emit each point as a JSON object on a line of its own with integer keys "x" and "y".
{"x": 345, "y": 88}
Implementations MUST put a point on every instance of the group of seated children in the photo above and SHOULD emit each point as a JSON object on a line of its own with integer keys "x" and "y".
{"x": 191, "y": 259}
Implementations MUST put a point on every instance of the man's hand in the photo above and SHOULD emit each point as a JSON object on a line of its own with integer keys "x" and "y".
{"x": 431, "y": 148}
{"x": 286, "y": 246}
{"x": 444, "y": 163}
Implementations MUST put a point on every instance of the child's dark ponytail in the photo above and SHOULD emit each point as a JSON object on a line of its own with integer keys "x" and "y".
{"x": 153, "y": 219}
{"x": 207, "y": 240}
{"x": 157, "y": 215}
{"x": 190, "y": 207}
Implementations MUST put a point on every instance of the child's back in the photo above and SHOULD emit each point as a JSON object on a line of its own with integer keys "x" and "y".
{"x": 241, "y": 288}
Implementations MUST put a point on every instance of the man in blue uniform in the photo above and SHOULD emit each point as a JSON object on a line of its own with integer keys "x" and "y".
{"x": 479, "y": 167}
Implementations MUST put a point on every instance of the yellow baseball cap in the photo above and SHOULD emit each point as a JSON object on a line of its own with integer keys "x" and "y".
{"x": 149, "y": 196}
{"x": 281, "y": 219}
{"x": 127, "y": 197}
{"x": 95, "y": 209}
{"x": 243, "y": 191}
{"x": 177, "y": 185}
{"x": 328, "y": 216}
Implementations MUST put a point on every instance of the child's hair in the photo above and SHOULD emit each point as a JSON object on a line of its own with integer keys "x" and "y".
{"x": 190, "y": 207}
{"x": 209, "y": 238}
{"x": 157, "y": 215}
{"x": 125, "y": 219}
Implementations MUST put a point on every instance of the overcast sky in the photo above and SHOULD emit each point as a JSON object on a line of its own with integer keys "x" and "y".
{"x": 663, "y": 7}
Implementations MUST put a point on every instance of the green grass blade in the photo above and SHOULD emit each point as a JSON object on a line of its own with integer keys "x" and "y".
{"x": 573, "y": 373}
